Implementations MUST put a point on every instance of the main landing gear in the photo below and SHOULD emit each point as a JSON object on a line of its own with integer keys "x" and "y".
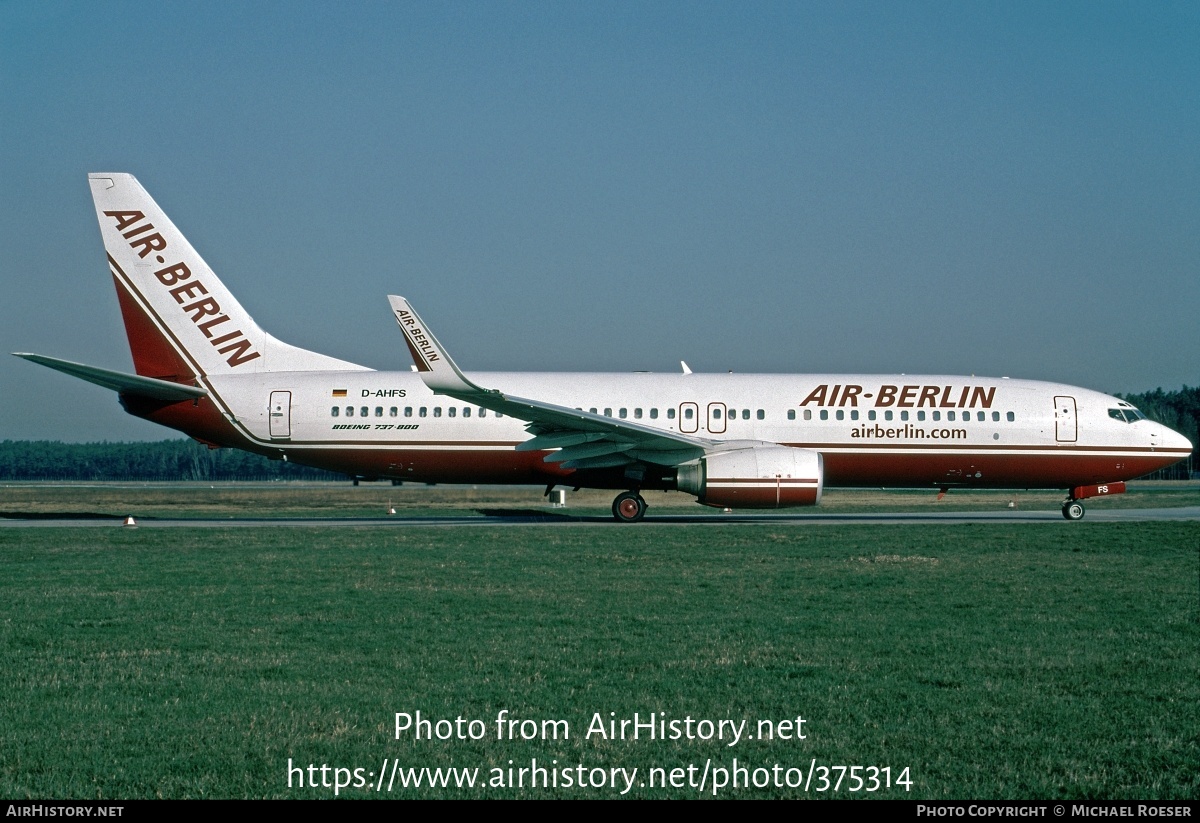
{"x": 629, "y": 507}
{"x": 1073, "y": 510}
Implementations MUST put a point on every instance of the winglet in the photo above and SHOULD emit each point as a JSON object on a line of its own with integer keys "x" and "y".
{"x": 432, "y": 362}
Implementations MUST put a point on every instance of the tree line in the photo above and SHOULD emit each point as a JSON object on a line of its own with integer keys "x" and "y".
{"x": 163, "y": 460}
{"x": 189, "y": 460}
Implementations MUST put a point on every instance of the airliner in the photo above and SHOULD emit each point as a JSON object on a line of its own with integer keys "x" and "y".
{"x": 753, "y": 441}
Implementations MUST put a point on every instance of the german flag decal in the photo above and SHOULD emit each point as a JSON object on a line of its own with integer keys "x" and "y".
{"x": 339, "y": 392}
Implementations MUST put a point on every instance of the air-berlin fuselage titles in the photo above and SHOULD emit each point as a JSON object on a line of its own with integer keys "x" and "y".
{"x": 903, "y": 397}
{"x": 204, "y": 367}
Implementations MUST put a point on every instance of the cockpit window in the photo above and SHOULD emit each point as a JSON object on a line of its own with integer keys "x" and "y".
{"x": 1128, "y": 415}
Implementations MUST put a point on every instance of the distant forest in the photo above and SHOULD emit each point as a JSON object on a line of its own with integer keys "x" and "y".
{"x": 164, "y": 460}
{"x": 188, "y": 460}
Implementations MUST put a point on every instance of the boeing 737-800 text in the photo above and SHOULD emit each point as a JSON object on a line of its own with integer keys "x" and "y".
{"x": 204, "y": 367}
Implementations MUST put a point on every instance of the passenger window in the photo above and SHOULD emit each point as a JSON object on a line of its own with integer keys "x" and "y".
{"x": 637, "y": 414}
{"x": 335, "y": 411}
{"x": 791, "y": 414}
{"x": 733, "y": 414}
{"x": 467, "y": 411}
{"x": 904, "y": 415}
{"x": 824, "y": 414}
{"x": 808, "y": 414}
{"x": 716, "y": 414}
{"x": 393, "y": 411}
{"x": 1011, "y": 417}
{"x": 364, "y": 412}
{"x": 608, "y": 412}
{"x": 687, "y": 413}
{"x": 437, "y": 411}
{"x": 995, "y": 417}
{"x": 854, "y": 414}
{"x": 949, "y": 415}
{"x": 670, "y": 414}
{"x": 622, "y": 413}
{"x": 654, "y": 414}
{"x": 483, "y": 412}
{"x": 937, "y": 415}
{"x": 592, "y": 410}
{"x": 921, "y": 415}
{"x": 871, "y": 414}
{"x": 761, "y": 414}
{"x": 981, "y": 416}
{"x": 379, "y": 411}
{"x": 745, "y": 414}
{"x": 450, "y": 412}
{"x": 422, "y": 412}
{"x": 841, "y": 415}
{"x": 349, "y": 411}
{"x": 887, "y": 415}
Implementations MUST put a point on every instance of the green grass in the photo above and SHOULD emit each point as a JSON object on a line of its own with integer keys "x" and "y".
{"x": 1035, "y": 661}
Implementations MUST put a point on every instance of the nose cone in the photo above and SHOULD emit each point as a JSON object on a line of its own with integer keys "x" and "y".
{"x": 1174, "y": 440}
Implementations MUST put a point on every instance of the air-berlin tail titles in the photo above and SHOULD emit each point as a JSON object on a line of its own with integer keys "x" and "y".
{"x": 204, "y": 312}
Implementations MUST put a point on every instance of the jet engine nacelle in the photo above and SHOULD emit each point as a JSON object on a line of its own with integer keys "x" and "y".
{"x": 759, "y": 477}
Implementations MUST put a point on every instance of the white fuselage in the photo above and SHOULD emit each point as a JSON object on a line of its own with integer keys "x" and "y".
{"x": 911, "y": 430}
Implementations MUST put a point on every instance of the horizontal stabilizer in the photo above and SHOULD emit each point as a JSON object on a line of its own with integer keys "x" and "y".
{"x": 120, "y": 381}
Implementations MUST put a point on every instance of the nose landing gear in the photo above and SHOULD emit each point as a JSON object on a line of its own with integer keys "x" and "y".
{"x": 1073, "y": 509}
{"x": 629, "y": 507}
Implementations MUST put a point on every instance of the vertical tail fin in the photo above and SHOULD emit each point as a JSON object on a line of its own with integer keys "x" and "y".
{"x": 181, "y": 321}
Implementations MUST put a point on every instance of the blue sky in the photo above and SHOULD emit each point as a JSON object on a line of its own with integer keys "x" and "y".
{"x": 988, "y": 188}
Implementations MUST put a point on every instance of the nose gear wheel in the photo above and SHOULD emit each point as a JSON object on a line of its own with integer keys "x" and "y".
{"x": 1073, "y": 510}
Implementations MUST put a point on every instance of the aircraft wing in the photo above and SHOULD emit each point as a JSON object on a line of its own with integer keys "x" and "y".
{"x": 583, "y": 440}
{"x": 119, "y": 382}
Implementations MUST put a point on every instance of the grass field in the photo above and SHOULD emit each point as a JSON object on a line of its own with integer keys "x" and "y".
{"x": 1006, "y": 661}
{"x": 291, "y": 500}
